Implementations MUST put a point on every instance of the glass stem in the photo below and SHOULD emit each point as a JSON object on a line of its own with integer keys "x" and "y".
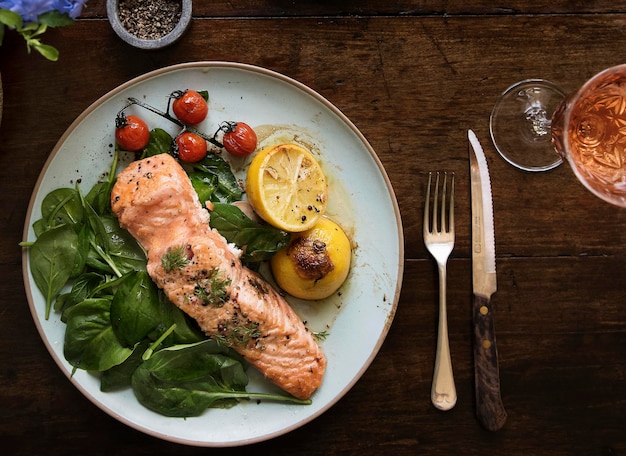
{"x": 539, "y": 121}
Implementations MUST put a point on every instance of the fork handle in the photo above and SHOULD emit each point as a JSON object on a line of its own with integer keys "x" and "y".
{"x": 489, "y": 408}
{"x": 443, "y": 392}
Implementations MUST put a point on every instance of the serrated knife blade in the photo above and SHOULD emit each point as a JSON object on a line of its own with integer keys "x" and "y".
{"x": 489, "y": 408}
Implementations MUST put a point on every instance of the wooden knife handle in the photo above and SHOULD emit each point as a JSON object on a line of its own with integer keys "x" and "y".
{"x": 489, "y": 407}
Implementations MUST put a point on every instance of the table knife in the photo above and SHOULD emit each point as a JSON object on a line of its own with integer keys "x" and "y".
{"x": 489, "y": 408}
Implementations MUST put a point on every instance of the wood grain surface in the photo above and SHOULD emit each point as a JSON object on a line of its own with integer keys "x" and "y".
{"x": 413, "y": 76}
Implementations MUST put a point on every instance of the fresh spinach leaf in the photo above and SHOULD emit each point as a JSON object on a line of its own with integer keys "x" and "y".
{"x": 98, "y": 230}
{"x": 160, "y": 143}
{"x": 213, "y": 176}
{"x": 186, "y": 329}
{"x": 99, "y": 197}
{"x": 82, "y": 251}
{"x": 185, "y": 380}
{"x": 258, "y": 241}
{"x": 82, "y": 288}
{"x": 205, "y": 185}
{"x": 109, "y": 249}
{"x": 140, "y": 310}
{"x": 59, "y": 207}
{"x": 125, "y": 251}
{"x": 90, "y": 342}
{"x": 119, "y": 377}
{"x": 99, "y": 242}
{"x": 39, "y": 226}
{"x": 134, "y": 309}
{"x": 52, "y": 259}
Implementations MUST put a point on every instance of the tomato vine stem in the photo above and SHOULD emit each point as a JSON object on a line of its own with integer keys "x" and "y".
{"x": 166, "y": 115}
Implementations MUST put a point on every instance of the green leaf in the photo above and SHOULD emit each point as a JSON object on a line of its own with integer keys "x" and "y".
{"x": 59, "y": 207}
{"x": 55, "y": 19}
{"x": 213, "y": 176}
{"x": 52, "y": 258}
{"x": 186, "y": 331}
{"x": 139, "y": 310}
{"x": 90, "y": 342}
{"x": 10, "y": 18}
{"x": 123, "y": 249}
{"x": 40, "y": 29}
{"x": 205, "y": 185}
{"x": 193, "y": 362}
{"x": 119, "y": 377}
{"x": 185, "y": 380}
{"x": 159, "y": 143}
{"x": 134, "y": 309}
{"x": 28, "y": 27}
{"x": 100, "y": 242}
{"x": 99, "y": 197}
{"x": 82, "y": 251}
{"x": 258, "y": 241}
{"x": 49, "y": 52}
{"x": 82, "y": 288}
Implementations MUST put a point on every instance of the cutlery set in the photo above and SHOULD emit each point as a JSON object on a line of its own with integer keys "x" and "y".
{"x": 438, "y": 232}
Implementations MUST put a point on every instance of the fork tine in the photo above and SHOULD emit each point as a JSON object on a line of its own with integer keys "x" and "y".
{"x": 451, "y": 214}
{"x": 434, "y": 225}
{"x": 439, "y": 220}
{"x": 427, "y": 206}
{"x": 443, "y": 226}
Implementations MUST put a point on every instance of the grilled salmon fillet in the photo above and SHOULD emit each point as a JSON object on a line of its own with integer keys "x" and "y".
{"x": 202, "y": 274}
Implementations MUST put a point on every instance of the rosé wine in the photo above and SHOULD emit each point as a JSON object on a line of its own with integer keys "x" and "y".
{"x": 589, "y": 130}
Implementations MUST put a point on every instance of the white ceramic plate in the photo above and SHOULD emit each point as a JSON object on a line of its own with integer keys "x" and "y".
{"x": 361, "y": 199}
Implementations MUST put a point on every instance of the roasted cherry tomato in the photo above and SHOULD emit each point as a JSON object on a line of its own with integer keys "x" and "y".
{"x": 190, "y": 107}
{"x": 131, "y": 132}
{"x": 239, "y": 138}
{"x": 191, "y": 147}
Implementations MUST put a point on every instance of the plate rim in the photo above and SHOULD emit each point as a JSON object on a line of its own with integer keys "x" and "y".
{"x": 251, "y": 69}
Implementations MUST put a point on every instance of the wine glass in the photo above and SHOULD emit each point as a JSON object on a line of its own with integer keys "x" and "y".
{"x": 535, "y": 127}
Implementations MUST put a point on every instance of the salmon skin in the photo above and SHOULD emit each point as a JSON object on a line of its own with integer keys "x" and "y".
{"x": 202, "y": 274}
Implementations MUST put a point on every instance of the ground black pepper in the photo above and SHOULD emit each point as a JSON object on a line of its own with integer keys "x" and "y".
{"x": 149, "y": 19}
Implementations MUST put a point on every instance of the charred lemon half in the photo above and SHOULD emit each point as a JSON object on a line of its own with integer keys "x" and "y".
{"x": 315, "y": 263}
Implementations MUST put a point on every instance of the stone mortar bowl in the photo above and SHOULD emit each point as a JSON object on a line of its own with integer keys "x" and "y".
{"x": 173, "y": 36}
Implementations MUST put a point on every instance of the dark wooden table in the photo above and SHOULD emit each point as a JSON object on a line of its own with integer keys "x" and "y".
{"x": 413, "y": 76}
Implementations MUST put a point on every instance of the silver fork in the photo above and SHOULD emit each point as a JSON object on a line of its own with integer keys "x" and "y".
{"x": 439, "y": 240}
